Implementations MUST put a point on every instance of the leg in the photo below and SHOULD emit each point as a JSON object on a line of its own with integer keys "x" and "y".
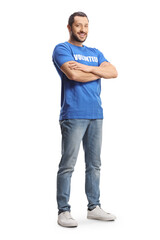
{"x": 72, "y": 133}
{"x": 92, "y": 141}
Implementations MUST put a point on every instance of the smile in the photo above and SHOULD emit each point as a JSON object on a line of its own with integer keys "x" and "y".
{"x": 82, "y": 34}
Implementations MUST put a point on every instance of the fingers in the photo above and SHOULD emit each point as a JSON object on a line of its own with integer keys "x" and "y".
{"x": 74, "y": 65}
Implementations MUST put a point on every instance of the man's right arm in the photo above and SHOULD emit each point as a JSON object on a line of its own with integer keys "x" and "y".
{"x": 77, "y": 75}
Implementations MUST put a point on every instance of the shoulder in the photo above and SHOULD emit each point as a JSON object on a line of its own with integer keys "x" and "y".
{"x": 61, "y": 49}
{"x": 61, "y": 54}
{"x": 60, "y": 46}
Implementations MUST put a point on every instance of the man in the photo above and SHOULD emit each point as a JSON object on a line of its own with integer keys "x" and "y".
{"x": 81, "y": 116}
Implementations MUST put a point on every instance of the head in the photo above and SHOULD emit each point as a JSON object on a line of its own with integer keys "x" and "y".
{"x": 78, "y": 27}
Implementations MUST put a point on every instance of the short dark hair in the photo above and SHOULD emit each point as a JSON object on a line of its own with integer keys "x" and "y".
{"x": 79, "y": 14}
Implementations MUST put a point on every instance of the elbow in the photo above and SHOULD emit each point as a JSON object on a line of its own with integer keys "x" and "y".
{"x": 112, "y": 73}
{"x": 74, "y": 77}
{"x": 71, "y": 76}
{"x": 115, "y": 74}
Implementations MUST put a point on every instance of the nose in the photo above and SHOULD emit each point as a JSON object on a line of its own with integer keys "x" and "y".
{"x": 82, "y": 28}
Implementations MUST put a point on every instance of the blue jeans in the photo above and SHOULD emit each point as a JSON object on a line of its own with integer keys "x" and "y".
{"x": 73, "y": 132}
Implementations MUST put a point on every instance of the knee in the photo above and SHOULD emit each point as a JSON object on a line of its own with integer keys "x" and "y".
{"x": 66, "y": 170}
{"x": 93, "y": 166}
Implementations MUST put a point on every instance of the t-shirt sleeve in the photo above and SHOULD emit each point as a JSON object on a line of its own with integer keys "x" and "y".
{"x": 101, "y": 58}
{"x": 61, "y": 54}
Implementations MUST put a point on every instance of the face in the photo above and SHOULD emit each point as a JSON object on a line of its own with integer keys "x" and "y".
{"x": 79, "y": 29}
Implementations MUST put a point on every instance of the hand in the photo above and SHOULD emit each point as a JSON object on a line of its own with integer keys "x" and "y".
{"x": 79, "y": 66}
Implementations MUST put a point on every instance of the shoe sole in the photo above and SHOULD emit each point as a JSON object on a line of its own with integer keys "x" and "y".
{"x": 108, "y": 220}
{"x": 67, "y": 226}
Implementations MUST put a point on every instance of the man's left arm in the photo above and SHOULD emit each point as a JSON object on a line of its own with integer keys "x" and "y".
{"x": 105, "y": 70}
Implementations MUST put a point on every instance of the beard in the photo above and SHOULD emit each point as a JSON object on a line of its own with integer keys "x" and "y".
{"x": 76, "y": 38}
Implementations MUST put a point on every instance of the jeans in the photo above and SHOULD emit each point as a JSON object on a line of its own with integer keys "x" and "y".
{"x": 73, "y": 132}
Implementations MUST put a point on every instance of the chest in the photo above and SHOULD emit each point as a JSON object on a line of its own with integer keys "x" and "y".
{"x": 85, "y": 57}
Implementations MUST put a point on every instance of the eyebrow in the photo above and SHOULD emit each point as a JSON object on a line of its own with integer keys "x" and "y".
{"x": 81, "y": 23}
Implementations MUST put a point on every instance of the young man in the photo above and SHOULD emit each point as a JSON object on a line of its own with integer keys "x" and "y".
{"x": 81, "y": 116}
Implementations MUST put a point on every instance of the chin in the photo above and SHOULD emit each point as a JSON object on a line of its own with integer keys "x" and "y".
{"x": 80, "y": 40}
{"x": 76, "y": 38}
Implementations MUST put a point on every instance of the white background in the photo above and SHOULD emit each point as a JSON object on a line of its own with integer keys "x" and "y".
{"x": 127, "y": 32}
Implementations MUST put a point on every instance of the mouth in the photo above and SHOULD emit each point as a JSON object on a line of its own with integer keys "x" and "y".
{"x": 82, "y": 35}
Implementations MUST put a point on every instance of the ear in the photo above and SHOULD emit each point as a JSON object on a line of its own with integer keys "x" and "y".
{"x": 69, "y": 28}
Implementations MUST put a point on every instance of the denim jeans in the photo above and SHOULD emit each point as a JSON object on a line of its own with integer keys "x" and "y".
{"x": 73, "y": 132}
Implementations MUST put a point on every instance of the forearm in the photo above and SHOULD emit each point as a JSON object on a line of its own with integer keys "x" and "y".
{"x": 77, "y": 74}
{"x": 107, "y": 72}
{"x": 81, "y": 76}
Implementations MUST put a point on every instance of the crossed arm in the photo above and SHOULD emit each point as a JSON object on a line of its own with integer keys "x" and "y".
{"x": 84, "y": 73}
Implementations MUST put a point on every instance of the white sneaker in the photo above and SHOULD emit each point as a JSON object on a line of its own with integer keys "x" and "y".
{"x": 65, "y": 220}
{"x": 99, "y": 214}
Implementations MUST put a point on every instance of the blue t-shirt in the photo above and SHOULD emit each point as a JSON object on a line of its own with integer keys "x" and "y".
{"x": 79, "y": 100}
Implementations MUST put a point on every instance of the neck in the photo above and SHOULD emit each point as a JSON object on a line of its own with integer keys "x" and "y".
{"x": 76, "y": 43}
